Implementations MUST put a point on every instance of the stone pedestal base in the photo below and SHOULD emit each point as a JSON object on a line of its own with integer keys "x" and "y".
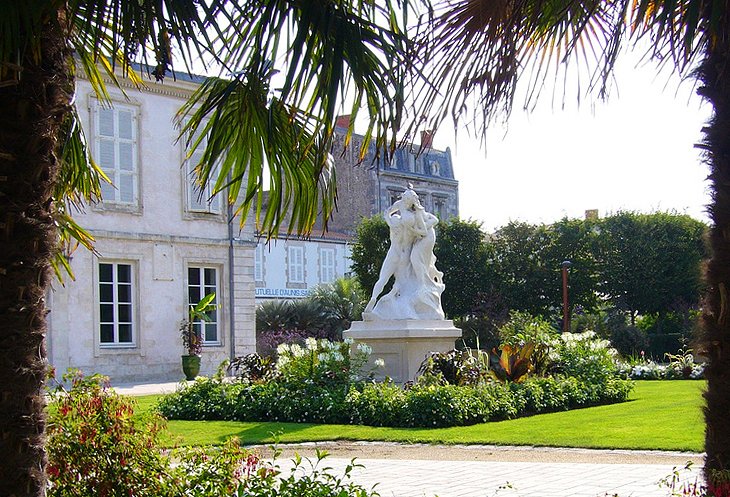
{"x": 403, "y": 343}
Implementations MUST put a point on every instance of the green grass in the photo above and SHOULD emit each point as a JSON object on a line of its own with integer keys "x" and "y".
{"x": 662, "y": 415}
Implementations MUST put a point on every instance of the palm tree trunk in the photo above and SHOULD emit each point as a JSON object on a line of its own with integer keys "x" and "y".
{"x": 32, "y": 108}
{"x": 714, "y": 76}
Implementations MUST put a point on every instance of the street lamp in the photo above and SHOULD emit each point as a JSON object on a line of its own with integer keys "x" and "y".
{"x": 566, "y": 314}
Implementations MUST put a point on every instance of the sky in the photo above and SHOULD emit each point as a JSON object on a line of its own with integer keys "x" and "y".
{"x": 634, "y": 152}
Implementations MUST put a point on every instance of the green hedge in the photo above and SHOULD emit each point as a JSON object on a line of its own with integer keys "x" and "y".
{"x": 386, "y": 404}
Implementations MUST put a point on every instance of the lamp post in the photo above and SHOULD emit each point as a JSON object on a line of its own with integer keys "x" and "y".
{"x": 566, "y": 314}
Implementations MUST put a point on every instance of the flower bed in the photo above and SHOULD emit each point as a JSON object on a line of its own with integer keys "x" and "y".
{"x": 323, "y": 383}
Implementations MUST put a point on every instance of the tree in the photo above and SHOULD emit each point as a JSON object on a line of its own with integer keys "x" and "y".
{"x": 372, "y": 239}
{"x": 525, "y": 264}
{"x": 322, "y": 49}
{"x": 476, "y": 52}
{"x": 649, "y": 262}
{"x": 462, "y": 256}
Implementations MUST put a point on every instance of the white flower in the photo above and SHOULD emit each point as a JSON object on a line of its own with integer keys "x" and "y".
{"x": 283, "y": 348}
{"x": 379, "y": 363}
{"x": 311, "y": 343}
{"x": 348, "y": 341}
{"x": 364, "y": 348}
{"x": 297, "y": 350}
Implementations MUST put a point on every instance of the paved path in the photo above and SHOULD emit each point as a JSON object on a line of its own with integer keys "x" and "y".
{"x": 418, "y": 478}
{"x": 397, "y": 470}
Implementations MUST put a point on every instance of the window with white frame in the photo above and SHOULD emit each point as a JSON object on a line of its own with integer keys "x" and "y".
{"x": 258, "y": 263}
{"x": 201, "y": 282}
{"x": 295, "y": 264}
{"x": 439, "y": 205}
{"x": 115, "y": 151}
{"x": 200, "y": 199}
{"x": 116, "y": 306}
{"x": 327, "y": 265}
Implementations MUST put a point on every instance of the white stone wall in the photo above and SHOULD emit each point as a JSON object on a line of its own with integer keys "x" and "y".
{"x": 160, "y": 238}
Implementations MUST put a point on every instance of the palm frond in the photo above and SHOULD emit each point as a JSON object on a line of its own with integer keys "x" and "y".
{"x": 474, "y": 52}
{"x": 78, "y": 184}
{"x": 250, "y": 134}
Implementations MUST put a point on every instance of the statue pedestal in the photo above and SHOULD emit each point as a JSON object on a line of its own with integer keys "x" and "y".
{"x": 403, "y": 343}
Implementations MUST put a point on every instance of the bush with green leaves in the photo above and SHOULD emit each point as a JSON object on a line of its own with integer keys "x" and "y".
{"x": 95, "y": 447}
{"x": 98, "y": 447}
{"x": 522, "y": 329}
{"x": 387, "y": 404}
{"x": 455, "y": 367}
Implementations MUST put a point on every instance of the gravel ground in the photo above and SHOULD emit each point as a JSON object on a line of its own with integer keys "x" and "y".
{"x": 389, "y": 450}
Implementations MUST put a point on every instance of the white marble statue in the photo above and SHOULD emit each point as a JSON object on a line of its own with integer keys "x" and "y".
{"x": 416, "y": 293}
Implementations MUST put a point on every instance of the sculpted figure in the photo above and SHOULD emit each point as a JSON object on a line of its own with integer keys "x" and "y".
{"x": 416, "y": 293}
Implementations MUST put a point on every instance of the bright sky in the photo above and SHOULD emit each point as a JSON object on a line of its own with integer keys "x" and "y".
{"x": 633, "y": 152}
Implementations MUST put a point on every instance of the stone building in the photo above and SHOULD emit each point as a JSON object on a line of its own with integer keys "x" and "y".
{"x": 161, "y": 246}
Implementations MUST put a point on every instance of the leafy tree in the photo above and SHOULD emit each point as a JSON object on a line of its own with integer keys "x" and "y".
{"x": 525, "y": 264}
{"x": 462, "y": 256}
{"x": 476, "y": 52}
{"x": 330, "y": 47}
{"x": 372, "y": 239}
{"x": 649, "y": 262}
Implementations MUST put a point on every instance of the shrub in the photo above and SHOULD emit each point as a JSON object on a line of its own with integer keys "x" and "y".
{"x": 587, "y": 357}
{"x": 629, "y": 340}
{"x": 96, "y": 449}
{"x": 455, "y": 367}
{"x": 252, "y": 368}
{"x": 522, "y": 329}
{"x": 323, "y": 362}
{"x": 268, "y": 341}
{"x": 343, "y": 301}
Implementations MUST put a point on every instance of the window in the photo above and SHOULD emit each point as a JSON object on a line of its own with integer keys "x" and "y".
{"x": 435, "y": 168}
{"x": 394, "y": 196}
{"x": 201, "y": 199}
{"x": 295, "y": 264}
{"x": 115, "y": 150}
{"x": 439, "y": 205}
{"x": 201, "y": 282}
{"x": 258, "y": 263}
{"x": 116, "y": 311}
{"x": 327, "y": 265}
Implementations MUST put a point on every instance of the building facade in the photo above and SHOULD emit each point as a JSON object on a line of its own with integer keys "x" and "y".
{"x": 161, "y": 246}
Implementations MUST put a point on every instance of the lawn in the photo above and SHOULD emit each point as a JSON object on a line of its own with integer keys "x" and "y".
{"x": 662, "y": 415}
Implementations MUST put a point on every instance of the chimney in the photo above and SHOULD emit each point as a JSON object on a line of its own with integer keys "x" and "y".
{"x": 343, "y": 121}
{"x": 427, "y": 138}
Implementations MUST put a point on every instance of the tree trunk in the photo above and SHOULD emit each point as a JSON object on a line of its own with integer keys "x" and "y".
{"x": 33, "y": 105}
{"x": 714, "y": 342}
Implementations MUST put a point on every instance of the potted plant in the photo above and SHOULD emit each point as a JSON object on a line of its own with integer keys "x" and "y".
{"x": 191, "y": 338}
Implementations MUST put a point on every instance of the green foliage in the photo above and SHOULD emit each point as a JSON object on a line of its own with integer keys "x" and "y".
{"x": 589, "y": 358}
{"x": 252, "y": 368}
{"x": 372, "y": 239}
{"x": 462, "y": 256}
{"x": 386, "y": 404}
{"x": 455, "y": 367}
{"x": 95, "y": 448}
{"x": 322, "y": 362}
{"x": 189, "y": 332}
{"x": 480, "y": 327}
{"x": 98, "y": 447}
{"x": 522, "y": 329}
{"x": 525, "y": 265}
{"x": 343, "y": 301}
{"x": 312, "y": 480}
{"x": 273, "y": 315}
{"x": 650, "y": 261}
